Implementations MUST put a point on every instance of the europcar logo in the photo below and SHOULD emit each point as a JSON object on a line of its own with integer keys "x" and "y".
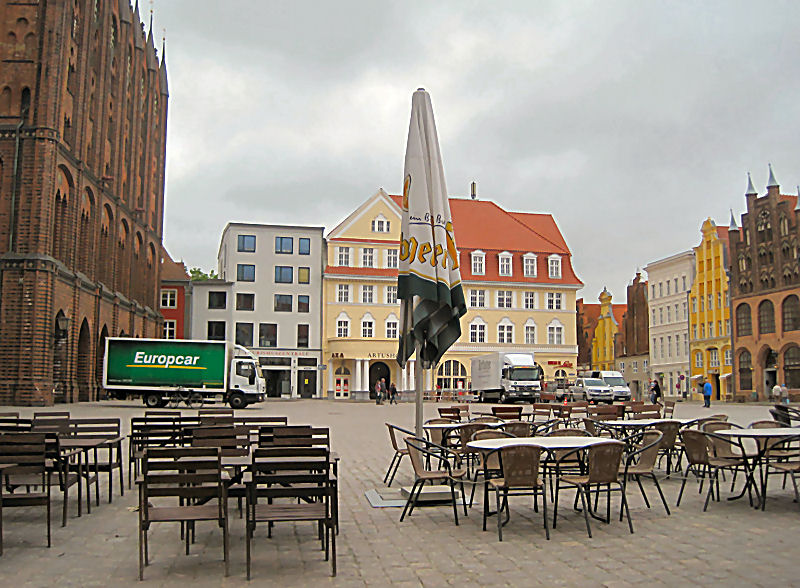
{"x": 145, "y": 360}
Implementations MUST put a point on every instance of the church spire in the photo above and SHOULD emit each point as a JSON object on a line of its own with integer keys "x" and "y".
{"x": 750, "y": 188}
{"x": 772, "y": 183}
{"x": 732, "y": 226}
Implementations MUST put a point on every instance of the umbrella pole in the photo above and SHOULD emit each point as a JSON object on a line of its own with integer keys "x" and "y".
{"x": 418, "y": 384}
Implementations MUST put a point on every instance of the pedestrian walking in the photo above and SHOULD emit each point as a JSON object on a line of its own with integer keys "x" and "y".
{"x": 384, "y": 391}
{"x": 655, "y": 392}
{"x": 392, "y": 394}
{"x": 707, "y": 390}
{"x": 784, "y": 394}
{"x": 776, "y": 393}
{"x": 377, "y": 391}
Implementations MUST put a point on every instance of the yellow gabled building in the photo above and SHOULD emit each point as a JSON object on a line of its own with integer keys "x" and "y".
{"x": 518, "y": 282}
{"x": 709, "y": 313}
{"x": 608, "y": 325}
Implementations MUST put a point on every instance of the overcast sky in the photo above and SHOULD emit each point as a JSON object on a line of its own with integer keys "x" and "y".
{"x": 630, "y": 122}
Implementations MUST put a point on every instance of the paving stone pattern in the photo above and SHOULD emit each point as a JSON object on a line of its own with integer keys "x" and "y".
{"x": 730, "y": 543}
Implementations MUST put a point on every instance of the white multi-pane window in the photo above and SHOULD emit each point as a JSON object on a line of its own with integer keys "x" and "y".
{"x": 367, "y": 257}
{"x": 529, "y": 265}
{"x": 169, "y": 299}
{"x": 686, "y": 346}
{"x": 477, "y": 298}
{"x": 169, "y": 329}
{"x": 635, "y": 366}
{"x": 530, "y": 300}
{"x": 505, "y": 333}
{"x": 728, "y": 357}
{"x": 554, "y": 301}
{"x": 344, "y": 257}
{"x": 477, "y": 333}
{"x": 669, "y": 343}
{"x": 504, "y": 299}
{"x": 342, "y": 328}
{"x": 391, "y": 294}
{"x": 669, "y": 313}
{"x": 661, "y": 315}
{"x": 555, "y": 335}
{"x": 391, "y": 329}
{"x": 477, "y": 263}
{"x": 505, "y": 264}
{"x": 661, "y": 352}
{"x": 685, "y": 311}
{"x": 710, "y": 329}
{"x": 391, "y": 258}
{"x": 622, "y": 366}
{"x": 644, "y": 365}
{"x": 653, "y": 312}
{"x": 713, "y": 358}
{"x": 367, "y": 294}
{"x": 554, "y": 266}
{"x": 367, "y": 328}
{"x": 343, "y": 293}
{"x": 530, "y": 335}
{"x": 380, "y": 225}
{"x": 698, "y": 359}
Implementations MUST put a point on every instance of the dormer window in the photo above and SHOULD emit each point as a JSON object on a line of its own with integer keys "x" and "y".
{"x": 505, "y": 263}
{"x": 529, "y": 265}
{"x": 478, "y": 266}
{"x": 554, "y": 266}
{"x": 380, "y": 224}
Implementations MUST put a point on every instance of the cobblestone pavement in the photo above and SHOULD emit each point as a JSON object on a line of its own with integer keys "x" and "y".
{"x": 730, "y": 543}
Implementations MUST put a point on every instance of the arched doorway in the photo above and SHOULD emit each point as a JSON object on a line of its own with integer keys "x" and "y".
{"x": 451, "y": 375}
{"x": 84, "y": 363}
{"x": 770, "y": 366}
{"x": 342, "y": 382}
{"x": 561, "y": 378}
{"x": 60, "y": 349}
{"x": 100, "y": 356}
{"x": 377, "y": 371}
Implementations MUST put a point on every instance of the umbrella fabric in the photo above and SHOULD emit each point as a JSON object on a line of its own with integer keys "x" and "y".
{"x": 429, "y": 281}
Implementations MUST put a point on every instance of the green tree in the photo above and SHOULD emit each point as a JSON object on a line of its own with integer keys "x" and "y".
{"x": 198, "y": 275}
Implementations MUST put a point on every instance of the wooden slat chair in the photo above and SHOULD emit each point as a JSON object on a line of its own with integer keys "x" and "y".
{"x": 295, "y": 484}
{"x": 14, "y": 424}
{"x": 151, "y": 432}
{"x": 110, "y": 456}
{"x": 602, "y": 412}
{"x": 449, "y": 412}
{"x": 541, "y": 410}
{"x": 649, "y": 411}
{"x": 27, "y": 450}
{"x": 215, "y": 412}
{"x": 51, "y": 422}
{"x": 255, "y": 422}
{"x": 186, "y": 475}
{"x": 507, "y": 413}
{"x": 669, "y": 409}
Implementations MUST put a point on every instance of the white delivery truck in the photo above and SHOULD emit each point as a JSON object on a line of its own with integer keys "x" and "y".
{"x": 506, "y": 377}
{"x": 174, "y": 371}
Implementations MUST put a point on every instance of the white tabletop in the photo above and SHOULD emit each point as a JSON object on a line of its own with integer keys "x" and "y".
{"x": 448, "y": 426}
{"x": 543, "y": 442}
{"x": 644, "y": 422}
{"x": 755, "y": 433}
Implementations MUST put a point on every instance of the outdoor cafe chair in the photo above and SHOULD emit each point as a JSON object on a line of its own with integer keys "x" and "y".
{"x": 449, "y": 412}
{"x": 668, "y": 447}
{"x": 109, "y": 457}
{"x": 541, "y": 410}
{"x": 789, "y": 466}
{"x": 517, "y": 428}
{"x": 488, "y": 466}
{"x": 640, "y": 460}
{"x": 487, "y": 419}
{"x": 601, "y": 466}
{"x": 399, "y": 452}
{"x": 456, "y": 440}
{"x": 507, "y": 412}
{"x": 448, "y": 473}
{"x": 27, "y": 451}
{"x": 190, "y": 479}
{"x": 669, "y": 409}
{"x": 519, "y": 476}
{"x": 294, "y": 481}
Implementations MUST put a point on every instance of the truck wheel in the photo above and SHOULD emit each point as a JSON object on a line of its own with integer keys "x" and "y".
{"x": 503, "y": 397}
{"x": 195, "y": 400}
{"x": 237, "y": 401}
{"x": 152, "y": 400}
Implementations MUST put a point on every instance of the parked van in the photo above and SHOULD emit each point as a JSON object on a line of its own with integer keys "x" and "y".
{"x": 616, "y": 381}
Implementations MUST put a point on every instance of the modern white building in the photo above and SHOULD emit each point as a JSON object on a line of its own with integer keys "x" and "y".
{"x": 670, "y": 280}
{"x": 268, "y": 299}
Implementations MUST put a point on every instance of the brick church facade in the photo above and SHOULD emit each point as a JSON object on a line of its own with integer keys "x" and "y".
{"x": 83, "y": 111}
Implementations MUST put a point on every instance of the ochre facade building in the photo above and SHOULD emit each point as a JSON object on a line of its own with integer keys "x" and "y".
{"x": 765, "y": 279}
{"x": 83, "y": 112}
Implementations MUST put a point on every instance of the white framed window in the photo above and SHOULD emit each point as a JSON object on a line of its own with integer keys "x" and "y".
{"x": 367, "y": 328}
{"x": 343, "y": 293}
{"x": 669, "y": 313}
{"x": 392, "y": 257}
{"x": 530, "y": 333}
{"x": 477, "y": 298}
{"x": 367, "y": 257}
{"x": 685, "y": 311}
{"x": 477, "y": 331}
{"x": 554, "y": 266}
{"x": 635, "y": 366}
{"x": 661, "y": 351}
{"x": 504, "y": 260}
{"x": 380, "y": 224}
{"x": 504, "y": 299}
{"x": 713, "y": 358}
{"x": 698, "y": 359}
{"x": 169, "y": 298}
{"x": 391, "y": 329}
{"x": 170, "y": 329}
{"x": 622, "y": 366}
{"x": 478, "y": 267}
{"x": 342, "y": 325}
{"x": 367, "y": 294}
{"x": 669, "y": 343}
{"x": 391, "y": 294}
{"x": 529, "y": 265}
{"x": 728, "y": 357}
{"x": 661, "y": 316}
{"x": 530, "y": 300}
{"x": 505, "y": 332}
{"x": 555, "y": 335}
{"x": 644, "y": 365}
{"x": 343, "y": 256}
{"x": 554, "y": 301}
{"x": 653, "y": 316}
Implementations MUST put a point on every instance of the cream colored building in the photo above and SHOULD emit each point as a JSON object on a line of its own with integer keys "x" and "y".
{"x": 517, "y": 278}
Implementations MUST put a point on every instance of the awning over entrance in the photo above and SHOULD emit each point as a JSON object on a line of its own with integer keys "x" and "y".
{"x": 697, "y": 377}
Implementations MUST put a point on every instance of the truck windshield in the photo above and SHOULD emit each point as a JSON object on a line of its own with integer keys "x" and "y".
{"x": 614, "y": 381}
{"x": 594, "y": 382}
{"x": 523, "y": 373}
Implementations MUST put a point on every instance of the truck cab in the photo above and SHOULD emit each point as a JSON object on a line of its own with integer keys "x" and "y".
{"x": 246, "y": 383}
{"x": 615, "y": 381}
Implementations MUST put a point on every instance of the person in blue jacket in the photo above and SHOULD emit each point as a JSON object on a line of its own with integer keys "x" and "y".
{"x": 707, "y": 390}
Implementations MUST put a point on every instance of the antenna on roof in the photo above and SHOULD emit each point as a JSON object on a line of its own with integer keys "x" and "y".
{"x": 473, "y": 190}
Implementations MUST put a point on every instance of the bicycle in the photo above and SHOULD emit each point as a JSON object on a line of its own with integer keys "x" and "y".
{"x": 188, "y": 397}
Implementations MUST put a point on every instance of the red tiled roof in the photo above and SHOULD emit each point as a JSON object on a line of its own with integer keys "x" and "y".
{"x": 172, "y": 270}
{"x": 483, "y": 225}
{"x": 619, "y": 311}
{"x": 790, "y": 198}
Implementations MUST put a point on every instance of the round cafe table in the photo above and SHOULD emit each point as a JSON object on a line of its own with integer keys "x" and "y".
{"x": 547, "y": 443}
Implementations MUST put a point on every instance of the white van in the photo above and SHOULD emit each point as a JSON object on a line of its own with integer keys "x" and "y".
{"x": 616, "y": 381}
